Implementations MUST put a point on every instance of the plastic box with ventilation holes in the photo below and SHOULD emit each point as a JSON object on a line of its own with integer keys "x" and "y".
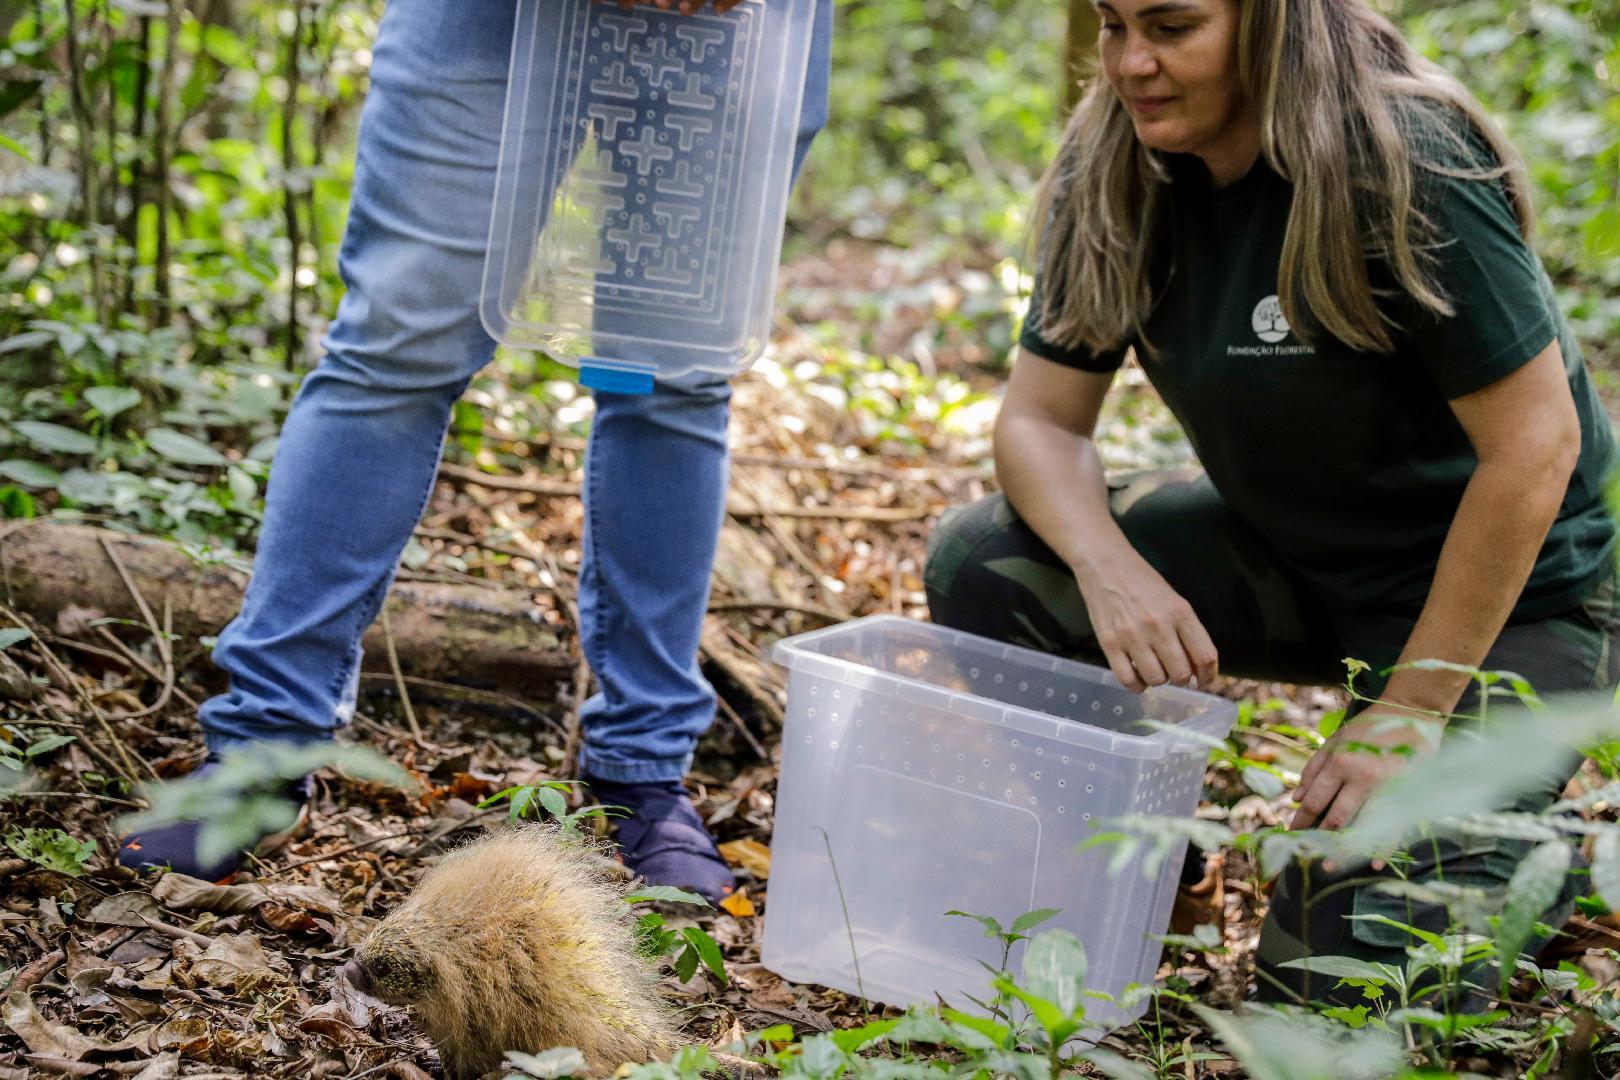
{"x": 926, "y": 770}
{"x": 645, "y": 162}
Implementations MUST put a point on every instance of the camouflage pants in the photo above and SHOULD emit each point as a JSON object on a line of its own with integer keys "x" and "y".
{"x": 989, "y": 574}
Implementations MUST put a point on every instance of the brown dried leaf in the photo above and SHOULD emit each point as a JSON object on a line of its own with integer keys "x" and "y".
{"x": 185, "y": 1035}
{"x": 181, "y": 893}
{"x": 125, "y": 909}
{"x": 231, "y": 962}
{"x": 749, "y": 854}
{"x": 43, "y": 1036}
{"x": 163, "y": 1067}
{"x": 290, "y": 920}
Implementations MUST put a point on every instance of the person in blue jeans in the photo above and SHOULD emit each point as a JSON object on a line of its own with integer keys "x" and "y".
{"x": 360, "y": 449}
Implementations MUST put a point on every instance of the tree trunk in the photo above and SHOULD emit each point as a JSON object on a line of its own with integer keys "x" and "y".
{"x": 484, "y": 636}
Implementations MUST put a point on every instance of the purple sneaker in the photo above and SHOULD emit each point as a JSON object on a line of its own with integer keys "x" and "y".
{"x": 174, "y": 846}
{"x": 663, "y": 841}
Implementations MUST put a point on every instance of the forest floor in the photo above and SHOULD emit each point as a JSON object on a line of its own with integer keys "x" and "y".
{"x": 107, "y": 974}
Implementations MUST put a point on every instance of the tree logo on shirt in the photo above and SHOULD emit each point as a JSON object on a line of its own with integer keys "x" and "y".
{"x": 1268, "y": 320}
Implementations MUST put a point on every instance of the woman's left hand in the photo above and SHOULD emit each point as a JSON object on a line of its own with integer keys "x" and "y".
{"x": 1356, "y": 759}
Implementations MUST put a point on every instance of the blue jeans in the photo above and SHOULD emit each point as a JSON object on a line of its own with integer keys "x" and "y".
{"x": 361, "y": 445}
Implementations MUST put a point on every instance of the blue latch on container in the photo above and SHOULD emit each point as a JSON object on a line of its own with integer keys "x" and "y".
{"x": 615, "y": 380}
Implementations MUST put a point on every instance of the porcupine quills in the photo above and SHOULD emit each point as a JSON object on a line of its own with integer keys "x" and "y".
{"x": 518, "y": 942}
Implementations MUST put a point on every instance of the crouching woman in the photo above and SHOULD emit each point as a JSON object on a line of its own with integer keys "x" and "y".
{"x": 1314, "y": 242}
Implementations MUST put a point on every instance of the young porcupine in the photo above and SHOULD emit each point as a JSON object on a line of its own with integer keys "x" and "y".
{"x": 518, "y": 942}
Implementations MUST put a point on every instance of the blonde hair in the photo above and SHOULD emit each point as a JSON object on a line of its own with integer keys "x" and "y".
{"x": 1348, "y": 114}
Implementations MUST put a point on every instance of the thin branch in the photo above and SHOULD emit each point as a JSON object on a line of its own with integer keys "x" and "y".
{"x": 289, "y": 169}
{"x": 399, "y": 678}
{"x": 164, "y": 139}
{"x": 89, "y": 180}
{"x": 780, "y": 605}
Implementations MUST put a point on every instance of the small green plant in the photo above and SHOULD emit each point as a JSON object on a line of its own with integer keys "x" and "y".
{"x": 51, "y": 848}
{"x": 15, "y": 755}
{"x": 551, "y": 797}
{"x": 686, "y": 946}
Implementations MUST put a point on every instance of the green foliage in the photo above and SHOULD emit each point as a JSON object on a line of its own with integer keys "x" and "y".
{"x": 944, "y": 113}
{"x": 18, "y": 748}
{"x": 243, "y": 799}
{"x": 52, "y": 849}
{"x": 553, "y": 1064}
{"x": 687, "y": 947}
{"x": 551, "y": 797}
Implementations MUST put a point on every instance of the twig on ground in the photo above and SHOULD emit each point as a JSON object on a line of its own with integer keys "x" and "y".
{"x": 128, "y": 770}
{"x": 472, "y": 691}
{"x": 161, "y": 637}
{"x": 497, "y": 482}
{"x": 887, "y": 514}
{"x": 736, "y": 674}
{"x": 399, "y": 677}
{"x": 200, "y": 940}
{"x": 789, "y": 544}
{"x": 828, "y": 614}
{"x": 737, "y": 722}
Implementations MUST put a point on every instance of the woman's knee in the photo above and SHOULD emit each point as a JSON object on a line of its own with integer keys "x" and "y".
{"x": 989, "y": 574}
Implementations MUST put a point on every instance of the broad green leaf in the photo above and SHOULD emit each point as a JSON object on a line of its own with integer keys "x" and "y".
{"x": 821, "y": 1057}
{"x": 1343, "y": 967}
{"x": 11, "y": 635}
{"x": 55, "y": 438}
{"x": 8, "y": 143}
{"x": 852, "y": 1039}
{"x": 28, "y": 339}
{"x": 183, "y": 448}
{"x": 992, "y": 1030}
{"x": 112, "y": 400}
{"x": 1606, "y": 866}
{"x": 30, "y": 473}
{"x": 1299, "y": 1046}
{"x": 40, "y": 747}
{"x": 992, "y": 925}
{"x": 686, "y": 964}
{"x": 668, "y": 893}
{"x": 1533, "y": 889}
{"x": 555, "y": 803}
{"x": 1046, "y": 1013}
{"x": 1055, "y": 969}
{"x": 1115, "y": 1067}
{"x": 1263, "y": 782}
{"x": 1031, "y": 919}
{"x": 708, "y": 951}
{"x": 1425, "y": 936}
{"x": 551, "y": 1064}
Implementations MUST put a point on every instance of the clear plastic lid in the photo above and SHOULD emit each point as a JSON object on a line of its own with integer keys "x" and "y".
{"x": 644, "y": 172}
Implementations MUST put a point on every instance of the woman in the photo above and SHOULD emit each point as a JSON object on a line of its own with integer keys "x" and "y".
{"x": 1314, "y": 241}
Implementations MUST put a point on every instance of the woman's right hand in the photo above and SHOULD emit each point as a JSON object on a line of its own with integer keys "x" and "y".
{"x": 1148, "y": 632}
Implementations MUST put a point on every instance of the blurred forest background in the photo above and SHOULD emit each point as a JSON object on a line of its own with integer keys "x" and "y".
{"x": 174, "y": 177}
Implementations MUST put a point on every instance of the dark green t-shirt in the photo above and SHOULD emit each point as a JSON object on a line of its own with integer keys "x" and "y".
{"x": 1351, "y": 463}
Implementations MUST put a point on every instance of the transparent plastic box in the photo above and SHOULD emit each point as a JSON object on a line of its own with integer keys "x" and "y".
{"x": 642, "y": 187}
{"x": 948, "y": 772}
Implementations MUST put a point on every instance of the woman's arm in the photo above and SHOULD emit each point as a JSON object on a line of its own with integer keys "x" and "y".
{"x": 1048, "y": 467}
{"x": 1527, "y": 436}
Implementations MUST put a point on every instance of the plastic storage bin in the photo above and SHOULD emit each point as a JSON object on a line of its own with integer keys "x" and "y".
{"x": 953, "y": 772}
{"x": 643, "y": 183}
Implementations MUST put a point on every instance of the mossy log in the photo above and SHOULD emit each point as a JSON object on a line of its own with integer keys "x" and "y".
{"x": 463, "y": 633}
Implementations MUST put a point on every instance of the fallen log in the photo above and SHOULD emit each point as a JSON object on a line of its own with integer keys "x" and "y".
{"x": 482, "y": 636}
